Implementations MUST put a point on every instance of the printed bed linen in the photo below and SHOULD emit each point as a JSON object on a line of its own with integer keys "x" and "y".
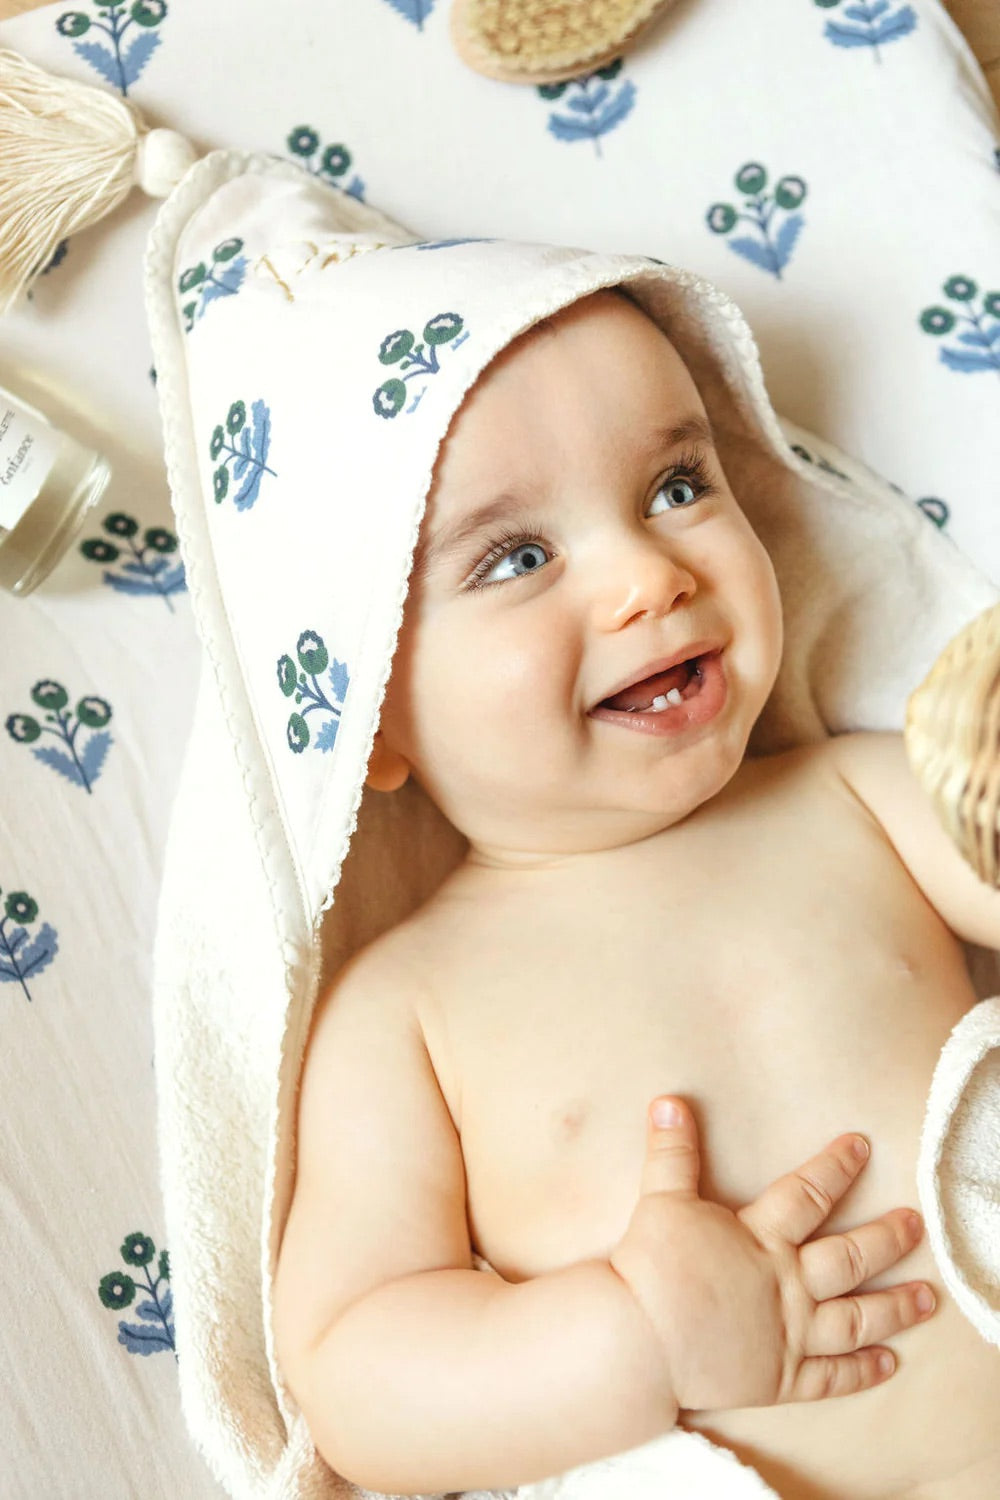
{"x": 833, "y": 167}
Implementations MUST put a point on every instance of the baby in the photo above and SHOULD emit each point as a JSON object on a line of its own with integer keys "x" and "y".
{"x": 591, "y": 632}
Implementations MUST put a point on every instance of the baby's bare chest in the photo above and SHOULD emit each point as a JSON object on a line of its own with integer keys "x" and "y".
{"x": 776, "y": 967}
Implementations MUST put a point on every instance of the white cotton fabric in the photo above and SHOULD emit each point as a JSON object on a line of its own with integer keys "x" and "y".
{"x": 265, "y": 837}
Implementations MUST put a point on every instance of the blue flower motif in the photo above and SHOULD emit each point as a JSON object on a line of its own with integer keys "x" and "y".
{"x": 248, "y": 456}
{"x": 85, "y": 760}
{"x": 305, "y": 688}
{"x": 400, "y": 348}
{"x": 118, "y": 1289}
{"x": 979, "y": 339}
{"x": 117, "y": 66}
{"x": 472, "y": 239}
{"x": 772, "y": 251}
{"x": 23, "y": 955}
{"x": 334, "y": 161}
{"x": 870, "y": 24}
{"x": 594, "y": 106}
{"x": 413, "y": 10}
{"x": 223, "y": 279}
{"x": 143, "y": 574}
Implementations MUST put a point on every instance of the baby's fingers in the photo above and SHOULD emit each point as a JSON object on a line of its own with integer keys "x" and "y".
{"x": 841, "y": 1375}
{"x": 841, "y": 1262}
{"x": 847, "y": 1323}
{"x": 796, "y": 1205}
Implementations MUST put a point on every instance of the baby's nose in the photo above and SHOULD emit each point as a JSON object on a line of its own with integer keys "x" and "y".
{"x": 640, "y": 580}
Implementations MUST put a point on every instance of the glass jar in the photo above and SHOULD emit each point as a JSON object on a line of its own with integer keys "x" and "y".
{"x": 48, "y": 483}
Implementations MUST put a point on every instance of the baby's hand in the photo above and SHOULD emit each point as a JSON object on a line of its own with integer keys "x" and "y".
{"x": 746, "y": 1313}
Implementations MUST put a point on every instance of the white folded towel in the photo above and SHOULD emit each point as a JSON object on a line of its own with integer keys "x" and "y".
{"x": 300, "y": 441}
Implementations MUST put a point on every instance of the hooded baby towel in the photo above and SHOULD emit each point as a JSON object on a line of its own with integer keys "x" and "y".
{"x": 310, "y": 355}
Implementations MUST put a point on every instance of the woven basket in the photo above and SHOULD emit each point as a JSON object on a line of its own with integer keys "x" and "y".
{"x": 952, "y": 738}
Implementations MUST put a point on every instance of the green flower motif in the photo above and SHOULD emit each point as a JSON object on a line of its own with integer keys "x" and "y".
{"x": 226, "y": 250}
{"x": 236, "y": 419}
{"x": 287, "y": 675}
{"x": 335, "y": 160}
{"x": 120, "y": 525}
{"x": 20, "y": 907}
{"x": 751, "y": 178}
{"x": 935, "y": 510}
{"x": 163, "y": 1265}
{"x": 94, "y": 712}
{"x": 137, "y": 1250}
{"x": 116, "y": 1289}
{"x": 961, "y": 288}
{"x": 217, "y": 444}
{"x": 23, "y": 728}
{"x": 400, "y": 348}
{"x": 395, "y": 346}
{"x": 992, "y": 304}
{"x": 610, "y": 70}
{"x": 721, "y": 217}
{"x": 303, "y": 141}
{"x": 937, "y": 320}
{"x": 312, "y": 653}
{"x": 98, "y": 550}
{"x": 51, "y": 695}
{"x": 193, "y": 277}
{"x": 220, "y": 484}
{"x": 306, "y": 689}
{"x": 160, "y": 540}
{"x": 73, "y": 23}
{"x": 826, "y": 4}
{"x": 148, "y": 12}
{"x": 789, "y": 192}
{"x": 551, "y": 90}
{"x": 443, "y": 328}
{"x": 298, "y": 733}
{"x": 389, "y": 398}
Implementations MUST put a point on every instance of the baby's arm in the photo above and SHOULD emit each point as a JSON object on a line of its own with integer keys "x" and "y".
{"x": 877, "y": 771}
{"x": 417, "y": 1373}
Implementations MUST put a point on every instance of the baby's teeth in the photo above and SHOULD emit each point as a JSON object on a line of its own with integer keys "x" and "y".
{"x": 667, "y": 700}
{"x": 660, "y": 702}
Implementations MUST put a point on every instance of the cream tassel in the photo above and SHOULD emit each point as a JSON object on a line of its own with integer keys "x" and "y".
{"x": 69, "y": 154}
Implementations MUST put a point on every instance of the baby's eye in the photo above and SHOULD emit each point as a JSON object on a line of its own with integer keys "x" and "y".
{"x": 681, "y": 493}
{"x": 532, "y": 557}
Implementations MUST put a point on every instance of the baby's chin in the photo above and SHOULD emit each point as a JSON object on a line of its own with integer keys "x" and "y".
{"x": 616, "y": 806}
{"x": 591, "y": 830}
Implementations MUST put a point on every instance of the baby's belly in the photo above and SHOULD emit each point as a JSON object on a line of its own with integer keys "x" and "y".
{"x": 769, "y": 1089}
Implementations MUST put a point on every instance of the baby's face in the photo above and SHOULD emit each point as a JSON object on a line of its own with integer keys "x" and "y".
{"x": 614, "y": 547}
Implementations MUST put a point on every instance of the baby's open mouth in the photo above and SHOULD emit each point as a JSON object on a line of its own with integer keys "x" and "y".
{"x": 663, "y": 690}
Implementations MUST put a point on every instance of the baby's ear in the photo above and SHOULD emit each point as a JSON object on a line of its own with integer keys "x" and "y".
{"x": 387, "y": 769}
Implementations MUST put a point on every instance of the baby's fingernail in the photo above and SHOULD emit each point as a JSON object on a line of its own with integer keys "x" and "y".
{"x": 860, "y": 1147}
{"x": 886, "y": 1363}
{"x": 666, "y": 1114}
{"x": 914, "y": 1223}
{"x": 925, "y": 1299}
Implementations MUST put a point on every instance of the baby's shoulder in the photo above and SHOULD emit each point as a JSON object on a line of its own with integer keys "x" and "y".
{"x": 384, "y": 986}
{"x": 833, "y": 758}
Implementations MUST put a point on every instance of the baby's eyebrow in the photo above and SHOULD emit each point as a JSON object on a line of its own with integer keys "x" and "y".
{"x": 450, "y": 536}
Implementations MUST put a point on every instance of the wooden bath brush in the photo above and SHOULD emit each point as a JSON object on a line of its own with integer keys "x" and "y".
{"x": 538, "y": 41}
{"x": 952, "y": 738}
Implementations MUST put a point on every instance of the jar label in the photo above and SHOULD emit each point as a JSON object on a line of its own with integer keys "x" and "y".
{"x": 28, "y": 449}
